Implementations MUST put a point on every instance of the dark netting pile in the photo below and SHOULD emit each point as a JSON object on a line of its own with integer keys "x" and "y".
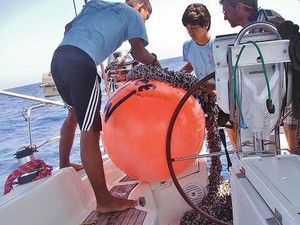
{"x": 217, "y": 202}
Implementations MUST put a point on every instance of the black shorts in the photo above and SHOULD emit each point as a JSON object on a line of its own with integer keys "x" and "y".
{"x": 78, "y": 83}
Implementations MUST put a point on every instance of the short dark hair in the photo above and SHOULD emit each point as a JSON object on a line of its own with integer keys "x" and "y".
{"x": 196, "y": 14}
{"x": 147, "y": 4}
{"x": 251, "y": 3}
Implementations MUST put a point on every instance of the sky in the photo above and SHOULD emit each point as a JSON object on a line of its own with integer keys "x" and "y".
{"x": 32, "y": 29}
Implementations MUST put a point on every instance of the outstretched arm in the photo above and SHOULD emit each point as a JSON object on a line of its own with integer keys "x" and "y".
{"x": 188, "y": 68}
{"x": 141, "y": 54}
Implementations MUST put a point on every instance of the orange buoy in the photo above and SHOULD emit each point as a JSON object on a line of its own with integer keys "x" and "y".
{"x": 135, "y": 123}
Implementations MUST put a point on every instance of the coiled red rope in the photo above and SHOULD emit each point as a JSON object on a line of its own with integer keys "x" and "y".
{"x": 44, "y": 171}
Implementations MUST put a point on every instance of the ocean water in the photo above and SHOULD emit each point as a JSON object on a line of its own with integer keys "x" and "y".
{"x": 45, "y": 121}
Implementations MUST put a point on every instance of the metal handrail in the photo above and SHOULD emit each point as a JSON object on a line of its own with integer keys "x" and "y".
{"x": 45, "y": 101}
{"x": 28, "y": 111}
{"x": 256, "y": 25}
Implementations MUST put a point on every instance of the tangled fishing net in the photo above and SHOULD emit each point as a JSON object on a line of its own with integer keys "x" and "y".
{"x": 217, "y": 202}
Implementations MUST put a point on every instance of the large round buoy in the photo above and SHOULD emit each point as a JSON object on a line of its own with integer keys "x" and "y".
{"x": 135, "y": 124}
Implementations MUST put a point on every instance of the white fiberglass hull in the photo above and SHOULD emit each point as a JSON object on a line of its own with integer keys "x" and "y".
{"x": 66, "y": 197}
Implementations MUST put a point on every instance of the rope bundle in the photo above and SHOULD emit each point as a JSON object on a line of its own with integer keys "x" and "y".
{"x": 34, "y": 165}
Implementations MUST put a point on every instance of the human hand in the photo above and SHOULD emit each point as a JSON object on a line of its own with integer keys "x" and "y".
{"x": 155, "y": 61}
{"x": 157, "y": 64}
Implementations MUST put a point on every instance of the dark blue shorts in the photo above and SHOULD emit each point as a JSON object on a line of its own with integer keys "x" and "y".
{"x": 78, "y": 83}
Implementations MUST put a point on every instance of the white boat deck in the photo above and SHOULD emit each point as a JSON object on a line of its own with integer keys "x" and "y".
{"x": 67, "y": 195}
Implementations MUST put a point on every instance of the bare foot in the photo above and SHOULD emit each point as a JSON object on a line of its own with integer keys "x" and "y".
{"x": 116, "y": 205}
{"x": 74, "y": 165}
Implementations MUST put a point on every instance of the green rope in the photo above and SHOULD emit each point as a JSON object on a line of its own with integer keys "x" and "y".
{"x": 243, "y": 124}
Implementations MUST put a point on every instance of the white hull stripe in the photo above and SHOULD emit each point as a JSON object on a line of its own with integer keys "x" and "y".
{"x": 91, "y": 108}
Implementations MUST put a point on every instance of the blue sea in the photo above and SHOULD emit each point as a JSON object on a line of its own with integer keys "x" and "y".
{"x": 46, "y": 122}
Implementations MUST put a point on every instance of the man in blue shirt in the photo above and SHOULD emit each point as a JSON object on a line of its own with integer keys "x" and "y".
{"x": 99, "y": 29}
{"x": 198, "y": 52}
{"x": 243, "y": 12}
